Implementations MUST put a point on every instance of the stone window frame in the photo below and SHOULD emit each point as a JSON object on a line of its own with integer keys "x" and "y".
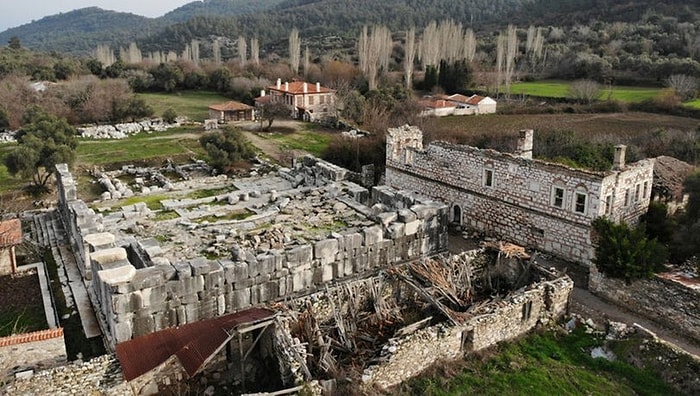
{"x": 637, "y": 192}
{"x": 580, "y": 192}
{"x": 627, "y": 197}
{"x": 646, "y": 189}
{"x": 488, "y": 177}
{"x": 608, "y": 204}
{"x": 558, "y": 186}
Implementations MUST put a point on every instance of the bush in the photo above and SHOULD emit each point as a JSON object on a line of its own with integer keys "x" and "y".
{"x": 169, "y": 115}
{"x": 225, "y": 148}
{"x": 624, "y": 252}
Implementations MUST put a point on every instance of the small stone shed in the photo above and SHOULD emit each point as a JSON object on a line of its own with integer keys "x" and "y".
{"x": 10, "y": 236}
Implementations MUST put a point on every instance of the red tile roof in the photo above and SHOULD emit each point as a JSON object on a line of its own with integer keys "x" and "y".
{"x": 436, "y": 104}
{"x": 458, "y": 98}
{"x": 193, "y": 343}
{"x": 10, "y": 233}
{"x": 475, "y": 99}
{"x": 231, "y": 106}
{"x": 297, "y": 88}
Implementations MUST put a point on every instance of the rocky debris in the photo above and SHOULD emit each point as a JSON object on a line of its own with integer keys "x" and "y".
{"x": 121, "y": 131}
{"x": 8, "y": 137}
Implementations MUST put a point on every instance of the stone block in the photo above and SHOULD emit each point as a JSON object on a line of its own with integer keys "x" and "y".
{"x": 240, "y": 299}
{"x": 200, "y": 266}
{"x": 372, "y": 235}
{"x": 191, "y": 313}
{"x": 412, "y": 227}
{"x": 183, "y": 269}
{"x": 163, "y": 320}
{"x": 154, "y": 296}
{"x": 110, "y": 255}
{"x": 266, "y": 264}
{"x": 122, "y": 331}
{"x": 387, "y": 218}
{"x": 126, "y": 303}
{"x": 182, "y": 287}
{"x": 143, "y": 324}
{"x": 167, "y": 271}
{"x": 299, "y": 255}
{"x": 243, "y": 284}
{"x": 236, "y": 272}
{"x": 221, "y": 305}
{"x": 284, "y": 285}
{"x": 208, "y": 308}
{"x": 118, "y": 275}
{"x": 353, "y": 241}
{"x": 99, "y": 241}
{"x": 326, "y": 250}
{"x": 147, "y": 278}
{"x": 214, "y": 279}
{"x": 302, "y": 280}
{"x": 397, "y": 230}
{"x": 406, "y": 216}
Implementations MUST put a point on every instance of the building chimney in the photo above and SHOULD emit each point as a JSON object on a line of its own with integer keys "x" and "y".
{"x": 524, "y": 148}
{"x": 286, "y": 86}
{"x": 279, "y": 83}
{"x": 306, "y": 87}
{"x": 318, "y": 87}
{"x": 262, "y": 92}
{"x": 619, "y": 159}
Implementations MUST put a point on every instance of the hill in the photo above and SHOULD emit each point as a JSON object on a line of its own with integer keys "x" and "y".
{"x": 79, "y": 32}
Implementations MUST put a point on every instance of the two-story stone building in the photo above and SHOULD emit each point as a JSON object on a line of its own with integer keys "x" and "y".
{"x": 307, "y": 101}
{"x": 535, "y": 203}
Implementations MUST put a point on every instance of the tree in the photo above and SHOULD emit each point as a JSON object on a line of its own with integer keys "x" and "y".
{"x": 43, "y": 142}
{"x": 294, "y": 50}
{"x": 167, "y": 76}
{"x": 14, "y": 43}
{"x": 624, "y": 252}
{"x": 269, "y": 111}
{"x": 685, "y": 86}
{"x": 410, "y": 57}
{"x": 169, "y": 115}
{"x": 226, "y": 147}
{"x": 584, "y": 90}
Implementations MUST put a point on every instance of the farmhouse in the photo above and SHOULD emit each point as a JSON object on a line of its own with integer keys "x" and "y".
{"x": 310, "y": 102}
{"x": 231, "y": 111}
{"x": 535, "y": 203}
{"x": 457, "y": 104}
{"x": 10, "y": 236}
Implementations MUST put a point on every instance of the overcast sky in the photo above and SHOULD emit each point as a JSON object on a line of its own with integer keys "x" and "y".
{"x": 14, "y": 13}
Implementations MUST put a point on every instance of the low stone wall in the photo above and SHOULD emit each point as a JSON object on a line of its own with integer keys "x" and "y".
{"x": 121, "y": 131}
{"x": 30, "y": 351}
{"x": 665, "y": 301}
{"x": 499, "y": 321}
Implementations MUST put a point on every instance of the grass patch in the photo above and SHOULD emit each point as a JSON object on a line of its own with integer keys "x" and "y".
{"x": 151, "y": 201}
{"x": 309, "y": 140}
{"x": 235, "y": 215}
{"x": 164, "y": 215}
{"x": 206, "y": 193}
{"x": 540, "y": 364}
{"x": 560, "y": 89}
{"x": 176, "y": 142}
{"x": 693, "y": 104}
{"x": 191, "y": 104}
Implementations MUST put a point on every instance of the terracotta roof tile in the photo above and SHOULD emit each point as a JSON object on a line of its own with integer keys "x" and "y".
{"x": 231, "y": 106}
{"x": 10, "y": 233}
{"x": 475, "y": 99}
{"x": 193, "y": 343}
{"x": 297, "y": 88}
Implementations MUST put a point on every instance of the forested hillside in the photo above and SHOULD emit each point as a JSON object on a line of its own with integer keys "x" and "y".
{"x": 217, "y": 8}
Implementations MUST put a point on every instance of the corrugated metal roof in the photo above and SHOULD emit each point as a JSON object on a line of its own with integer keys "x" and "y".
{"x": 10, "y": 233}
{"x": 193, "y": 343}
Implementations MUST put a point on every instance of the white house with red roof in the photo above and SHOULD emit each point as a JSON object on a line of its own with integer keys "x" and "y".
{"x": 457, "y": 104}
{"x": 307, "y": 101}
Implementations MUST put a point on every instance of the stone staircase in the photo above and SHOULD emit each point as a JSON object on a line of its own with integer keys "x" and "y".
{"x": 48, "y": 233}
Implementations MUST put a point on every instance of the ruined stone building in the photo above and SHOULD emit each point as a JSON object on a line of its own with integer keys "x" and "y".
{"x": 535, "y": 203}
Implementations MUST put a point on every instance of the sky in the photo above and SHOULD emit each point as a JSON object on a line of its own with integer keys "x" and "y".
{"x": 16, "y": 13}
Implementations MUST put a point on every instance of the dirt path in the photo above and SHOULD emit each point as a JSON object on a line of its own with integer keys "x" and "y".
{"x": 269, "y": 147}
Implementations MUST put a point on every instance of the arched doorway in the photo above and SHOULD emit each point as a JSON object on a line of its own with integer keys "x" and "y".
{"x": 456, "y": 215}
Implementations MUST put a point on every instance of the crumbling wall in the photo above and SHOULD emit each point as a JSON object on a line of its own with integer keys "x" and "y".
{"x": 665, "y": 301}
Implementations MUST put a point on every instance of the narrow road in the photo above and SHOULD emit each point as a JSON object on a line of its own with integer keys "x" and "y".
{"x": 588, "y": 305}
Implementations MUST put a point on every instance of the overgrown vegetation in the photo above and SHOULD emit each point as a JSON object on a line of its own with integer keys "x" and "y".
{"x": 226, "y": 148}
{"x": 539, "y": 364}
{"x": 626, "y": 252}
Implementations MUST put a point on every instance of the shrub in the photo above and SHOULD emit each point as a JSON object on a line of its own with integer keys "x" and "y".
{"x": 226, "y": 148}
{"x": 624, "y": 252}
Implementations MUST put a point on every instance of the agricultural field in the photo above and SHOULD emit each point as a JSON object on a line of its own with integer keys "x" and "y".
{"x": 559, "y": 89}
{"x": 191, "y": 104}
{"x": 618, "y": 124}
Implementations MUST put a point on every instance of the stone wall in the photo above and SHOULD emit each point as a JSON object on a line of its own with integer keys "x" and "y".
{"x": 666, "y": 301}
{"x": 495, "y": 322}
{"x": 133, "y": 298}
{"x": 36, "y": 350}
{"x": 514, "y": 197}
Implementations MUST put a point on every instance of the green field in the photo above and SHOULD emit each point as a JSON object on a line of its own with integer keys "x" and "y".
{"x": 540, "y": 364}
{"x": 308, "y": 140}
{"x": 178, "y": 142}
{"x": 559, "y": 89}
{"x": 192, "y": 104}
{"x": 695, "y": 104}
